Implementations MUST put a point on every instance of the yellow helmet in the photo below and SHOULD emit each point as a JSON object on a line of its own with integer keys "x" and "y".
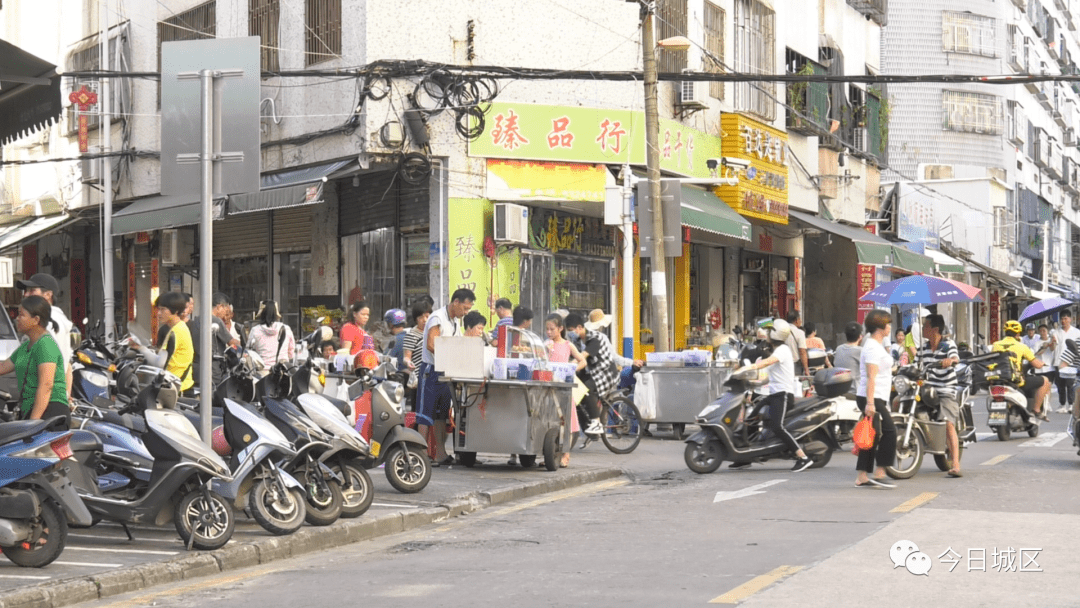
{"x": 1013, "y": 327}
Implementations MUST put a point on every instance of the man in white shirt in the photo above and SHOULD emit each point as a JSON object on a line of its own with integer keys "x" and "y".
{"x": 797, "y": 342}
{"x": 46, "y": 286}
{"x": 1064, "y": 385}
{"x": 434, "y": 394}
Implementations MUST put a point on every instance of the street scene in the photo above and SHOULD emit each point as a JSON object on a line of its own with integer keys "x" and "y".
{"x": 606, "y": 302}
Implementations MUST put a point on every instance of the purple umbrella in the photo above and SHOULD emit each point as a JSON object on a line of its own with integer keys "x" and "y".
{"x": 1044, "y": 308}
{"x": 923, "y": 289}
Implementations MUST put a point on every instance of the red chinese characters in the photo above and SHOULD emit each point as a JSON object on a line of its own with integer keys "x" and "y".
{"x": 83, "y": 98}
{"x": 611, "y": 134}
{"x": 560, "y": 135}
{"x": 507, "y": 132}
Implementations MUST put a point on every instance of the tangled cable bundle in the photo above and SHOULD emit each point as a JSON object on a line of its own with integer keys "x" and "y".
{"x": 468, "y": 96}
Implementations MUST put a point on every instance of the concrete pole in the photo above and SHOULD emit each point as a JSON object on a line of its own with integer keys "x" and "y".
{"x": 628, "y": 264}
{"x": 658, "y": 280}
{"x": 108, "y": 261}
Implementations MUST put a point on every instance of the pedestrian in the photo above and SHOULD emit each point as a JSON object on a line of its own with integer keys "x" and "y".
{"x": 797, "y": 342}
{"x": 395, "y": 319}
{"x": 847, "y": 355}
{"x": 177, "y": 352}
{"x": 1030, "y": 339}
{"x": 813, "y": 341}
{"x": 504, "y": 312}
{"x": 1045, "y": 344}
{"x": 46, "y": 286}
{"x": 523, "y": 317}
{"x": 412, "y": 351}
{"x": 560, "y": 350}
{"x": 38, "y": 364}
{"x": 1064, "y": 384}
{"x": 353, "y": 336}
{"x": 435, "y": 396}
{"x": 897, "y": 347}
{"x": 473, "y": 324}
{"x": 220, "y": 338}
{"x": 872, "y": 395}
{"x": 938, "y": 357}
{"x": 234, "y": 328}
{"x": 269, "y": 338}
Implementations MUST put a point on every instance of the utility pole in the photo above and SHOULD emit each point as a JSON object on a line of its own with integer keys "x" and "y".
{"x": 628, "y": 264}
{"x": 1046, "y": 254}
{"x": 108, "y": 262}
{"x": 658, "y": 280}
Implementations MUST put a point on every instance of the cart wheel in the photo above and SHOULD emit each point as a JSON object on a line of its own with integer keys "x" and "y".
{"x": 678, "y": 430}
{"x": 551, "y": 449}
{"x": 467, "y": 458}
{"x": 527, "y": 461}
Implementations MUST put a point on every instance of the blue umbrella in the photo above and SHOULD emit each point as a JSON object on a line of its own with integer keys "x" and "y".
{"x": 924, "y": 290}
{"x": 1044, "y": 308}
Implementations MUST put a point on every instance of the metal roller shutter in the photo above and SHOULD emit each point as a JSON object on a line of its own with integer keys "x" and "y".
{"x": 413, "y": 207}
{"x": 293, "y": 229}
{"x": 370, "y": 205}
{"x": 241, "y": 236}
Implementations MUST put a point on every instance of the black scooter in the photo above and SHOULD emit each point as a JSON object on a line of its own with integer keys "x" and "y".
{"x": 733, "y": 426}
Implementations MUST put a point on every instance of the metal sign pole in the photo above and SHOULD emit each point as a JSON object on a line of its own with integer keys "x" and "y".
{"x": 206, "y": 246}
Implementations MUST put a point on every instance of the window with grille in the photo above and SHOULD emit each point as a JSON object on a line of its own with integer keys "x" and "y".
{"x": 87, "y": 58}
{"x": 967, "y": 33}
{"x": 971, "y": 112}
{"x": 714, "y": 44}
{"x": 194, "y": 24}
{"x": 671, "y": 21}
{"x": 263, "y": 22}
{"x": 322, "y": 36}
{"x": 754, "y": 41}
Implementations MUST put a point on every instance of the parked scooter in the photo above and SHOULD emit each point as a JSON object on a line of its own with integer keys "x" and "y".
{"x": 918, "y": 430}
{"x": 179, "y": 487}
{"x": 92, "y": 369}
{"x": 1009, "y": 409}
{"x": 733, "y": 428}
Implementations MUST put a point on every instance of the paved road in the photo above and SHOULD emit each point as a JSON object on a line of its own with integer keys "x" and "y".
{"x": 658, "y": 537}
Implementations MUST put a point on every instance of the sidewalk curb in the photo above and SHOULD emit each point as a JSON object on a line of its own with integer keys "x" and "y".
{"x": 235, "y": 555}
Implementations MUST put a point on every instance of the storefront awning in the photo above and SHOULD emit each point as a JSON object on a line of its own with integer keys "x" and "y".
{"x": 999, "y": 277}
{"x": 945, "y": 262}
{"x": 37, "y": 227}
{"x": 288, "y": 189}
{"x": 912, "y": 261}
{"x": 29, "y": 93}
{"x": 871, "y": 248}
{"x": 704, "y": 211}
{"x": 161, "y": 212}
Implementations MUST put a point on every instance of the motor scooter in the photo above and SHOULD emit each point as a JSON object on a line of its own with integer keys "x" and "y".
{"x": 1010, "y": 411}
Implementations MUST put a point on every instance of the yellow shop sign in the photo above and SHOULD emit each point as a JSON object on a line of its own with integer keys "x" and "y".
{"x": 762, "y": 192}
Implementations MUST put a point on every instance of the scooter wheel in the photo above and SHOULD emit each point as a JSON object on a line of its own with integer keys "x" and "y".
{"x": 210, "y": 521}
{"x": 408, "y": 470}
{"x": 40, "y": 552}
{"x": 704, "y": 457}
{"x": 278, "y": 513}
{"x": 357, "y": 490}
{"x": 1033, "y": 430}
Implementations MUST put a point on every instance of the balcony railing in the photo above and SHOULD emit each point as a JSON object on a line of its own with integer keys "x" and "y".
{"x": 876, "y": 10}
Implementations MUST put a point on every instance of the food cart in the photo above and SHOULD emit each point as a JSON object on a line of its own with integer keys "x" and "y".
{"x": 506, "y": 405}
{"x": 673, "y": 388}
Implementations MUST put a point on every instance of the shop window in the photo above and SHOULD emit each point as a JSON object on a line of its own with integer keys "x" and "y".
{"x": 754, "y": 42}
{"x": 536, "y": 282}
{"x": 370, "y": 270}
{"x": 246, "y": 282}
{"x": 581, "y": 284}
{"x": 415, "y": 258}
{"x": 295, "y": 272}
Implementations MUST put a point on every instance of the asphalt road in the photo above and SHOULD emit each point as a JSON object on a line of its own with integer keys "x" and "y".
{"x": 658, "y": 538}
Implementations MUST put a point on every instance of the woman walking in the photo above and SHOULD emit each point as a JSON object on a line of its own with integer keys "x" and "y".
{"x": 38, "y": 364}
{"x": 265, "y": 338}
{"x": 561, "y": 350}
{"x": 872, "y": 395}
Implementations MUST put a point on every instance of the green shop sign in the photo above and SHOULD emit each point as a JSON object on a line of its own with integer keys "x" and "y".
{"x": 589, "y": 135}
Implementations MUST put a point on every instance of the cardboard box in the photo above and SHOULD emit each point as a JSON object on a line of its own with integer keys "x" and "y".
{"x": 463, "y": 357}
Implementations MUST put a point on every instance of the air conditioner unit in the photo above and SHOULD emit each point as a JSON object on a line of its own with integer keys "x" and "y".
{"x": 170, "y": 247}
{"x": 692, "y": 94}
{"x": 91, "y": 170}
{"x": 511, "y": 224}
{"x": 861, "y": 141}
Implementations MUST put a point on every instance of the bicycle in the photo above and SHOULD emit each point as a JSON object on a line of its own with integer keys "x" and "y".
{"x": 622, "y": 424}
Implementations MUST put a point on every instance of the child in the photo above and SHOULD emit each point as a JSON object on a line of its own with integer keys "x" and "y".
{"x": 561, "y": 350}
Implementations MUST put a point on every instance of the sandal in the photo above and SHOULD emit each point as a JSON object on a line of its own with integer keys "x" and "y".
{"x": 565, "y": 461}
{"x": 955, "y": 474}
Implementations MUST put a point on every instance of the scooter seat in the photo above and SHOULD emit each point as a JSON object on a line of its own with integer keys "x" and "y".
{"x": 129, "y": 422}
{"x": 85, "y": 441}
{"x": 22, "y": 429}
{"x": 808, "y": 403}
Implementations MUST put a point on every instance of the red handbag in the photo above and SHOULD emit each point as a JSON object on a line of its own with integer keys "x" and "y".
{"x": 863, "y": 435}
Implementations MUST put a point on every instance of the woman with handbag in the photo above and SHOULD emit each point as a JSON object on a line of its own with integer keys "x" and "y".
{"x": 871, "y": 395}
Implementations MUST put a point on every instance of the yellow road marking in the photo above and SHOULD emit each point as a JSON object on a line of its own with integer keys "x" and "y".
{"x": 918, "y": 501}
{"x": 995, "y": 460}
{"x": 588, "y": 489}
{"x": 143, "y": 600}
{"x": 754, "y": 585}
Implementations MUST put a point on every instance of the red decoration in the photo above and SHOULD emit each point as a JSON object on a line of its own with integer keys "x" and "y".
{"x": 489, "y": 247}
{"x": 83, "y": 98}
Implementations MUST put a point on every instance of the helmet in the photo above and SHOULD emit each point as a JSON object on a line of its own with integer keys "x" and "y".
{"x": 1029, "y": 326}
{"x": 1012, "y": 326}
{"x": 780, "y": 331}
{"x": 395, "y": 316}
{"x": 366, "y": 359}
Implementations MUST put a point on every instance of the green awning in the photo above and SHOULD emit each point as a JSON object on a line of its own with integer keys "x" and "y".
{"x": 914, "y": 262}
{"x": 161, "y": 212}
{"x": 878, "y": 254}
{"x": 704, "y": 211}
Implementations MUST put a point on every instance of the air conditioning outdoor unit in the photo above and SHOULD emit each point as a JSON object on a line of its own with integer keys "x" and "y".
{"x": 692, "y": 94}
{"x": 170, "y": 247}
{"x": 861, "y": 140}
{"x": 511, "y": 224}
{"x": 91, "y": 170}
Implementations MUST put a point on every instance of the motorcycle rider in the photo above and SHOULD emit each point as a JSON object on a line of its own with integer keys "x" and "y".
{"x": 781, "y": 388}
{"x": 938, "y": 357}
{"x": 1033, "y": 387}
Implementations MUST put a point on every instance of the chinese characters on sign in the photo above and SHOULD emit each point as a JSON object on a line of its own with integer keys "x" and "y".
{"x": 611, "y": 136}
{"x": 507, "y": 132}
{"x": 762, "y": 191}
{"x": 905, "y": 553}
{"x": 865, "y": 284}
{"x": 83, "y": 98}
{"x": 560, "y": 136}
{"x": 995, "y": 316}
{"x": 559, "y": 232}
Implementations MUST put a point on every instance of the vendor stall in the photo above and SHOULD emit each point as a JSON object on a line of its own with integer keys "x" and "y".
{"x": 673, "y": 388}
{"x": 515, "y": 403}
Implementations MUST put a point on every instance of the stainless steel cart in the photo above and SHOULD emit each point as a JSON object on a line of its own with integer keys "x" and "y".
{"x": 522, "y": 417}
{"x": 678, "y": 394}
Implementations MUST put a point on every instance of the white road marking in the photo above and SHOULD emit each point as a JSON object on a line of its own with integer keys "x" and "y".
{"x": 25, "y": 576}
{"x": 722, "y": 496}
{"x": 995, "y": 460}
{"x": 386, "y": 504}
{"x": 1044, "y": 441}
{"x": 88, "y": 565}
{"x": 111, "y": 550}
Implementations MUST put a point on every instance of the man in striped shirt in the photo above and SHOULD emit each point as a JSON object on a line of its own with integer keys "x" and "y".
{"x": 938, "y": 357}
